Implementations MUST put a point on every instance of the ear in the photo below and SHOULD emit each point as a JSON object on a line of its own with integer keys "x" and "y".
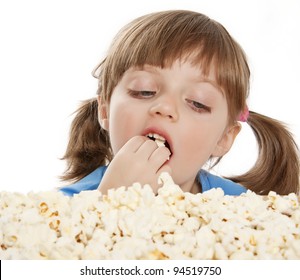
{"x": 227, "y": 140}
{"x": 103, "y": 113}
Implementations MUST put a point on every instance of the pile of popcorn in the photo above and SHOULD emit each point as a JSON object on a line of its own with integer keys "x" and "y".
{"x": 135, "y": 223}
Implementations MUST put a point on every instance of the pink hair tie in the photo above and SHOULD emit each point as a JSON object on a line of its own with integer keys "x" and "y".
{"x": 244, "y": 115}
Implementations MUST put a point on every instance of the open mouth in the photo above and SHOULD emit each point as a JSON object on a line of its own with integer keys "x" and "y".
{"x": 159, "y": 140}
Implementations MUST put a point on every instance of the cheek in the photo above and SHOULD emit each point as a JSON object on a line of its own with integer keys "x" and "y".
{"x": 122, "y": 125}
{"x": 200, "y": 145}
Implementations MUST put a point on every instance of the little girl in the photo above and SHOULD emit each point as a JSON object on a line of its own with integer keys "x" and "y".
{"x": 172, "y": 92}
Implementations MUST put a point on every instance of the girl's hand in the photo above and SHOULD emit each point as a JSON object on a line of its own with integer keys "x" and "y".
{"x": 139, "y": 160}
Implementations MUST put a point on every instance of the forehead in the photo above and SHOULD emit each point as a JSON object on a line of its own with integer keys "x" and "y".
{"x": 192, "y": 72}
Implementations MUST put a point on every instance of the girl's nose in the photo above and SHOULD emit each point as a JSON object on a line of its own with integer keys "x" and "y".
{"x": 166, "y": 108}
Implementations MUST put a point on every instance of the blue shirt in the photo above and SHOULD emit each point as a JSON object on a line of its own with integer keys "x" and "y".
{"x": 207, "y": 180}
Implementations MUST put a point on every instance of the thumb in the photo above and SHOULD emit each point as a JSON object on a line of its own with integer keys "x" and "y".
{"x": 159, "y": 183}
{"x": 164, "y": 169}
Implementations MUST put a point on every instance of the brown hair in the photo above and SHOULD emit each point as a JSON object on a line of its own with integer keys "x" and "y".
{"x": 159, "y": 39}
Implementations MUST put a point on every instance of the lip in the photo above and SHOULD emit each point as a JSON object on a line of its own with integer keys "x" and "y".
{"x": 162, "y": 133}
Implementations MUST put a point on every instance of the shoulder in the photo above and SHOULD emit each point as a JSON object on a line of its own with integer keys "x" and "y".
{"x": 88, "y": 183}
{"x": 209, "y": 181}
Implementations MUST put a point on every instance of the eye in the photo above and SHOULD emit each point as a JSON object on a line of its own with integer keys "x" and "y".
{"x": 141, "y": 93}
{"x": 198, "y": 107}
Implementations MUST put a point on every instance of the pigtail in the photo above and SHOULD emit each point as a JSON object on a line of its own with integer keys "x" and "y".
{"x": 88, "y": 146}
{"x": 277, "y": 166}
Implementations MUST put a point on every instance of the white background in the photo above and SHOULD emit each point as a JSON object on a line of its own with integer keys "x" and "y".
{"x": 49, "y": 48}
{"x": 71, "y": 269}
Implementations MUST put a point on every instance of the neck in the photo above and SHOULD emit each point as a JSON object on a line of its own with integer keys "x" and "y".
{"x": 196, "y": 187}
{"x": 193, "y": 188}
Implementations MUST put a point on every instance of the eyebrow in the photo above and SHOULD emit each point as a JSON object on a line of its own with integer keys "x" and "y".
{"x": 211, "y": 82}
{"x": 147, "y": 68}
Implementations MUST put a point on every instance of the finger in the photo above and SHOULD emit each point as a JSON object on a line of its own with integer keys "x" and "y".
{"x": 134, "y": 144}
{"x": 159, "y": 157}
{"x": 147, "y": 149}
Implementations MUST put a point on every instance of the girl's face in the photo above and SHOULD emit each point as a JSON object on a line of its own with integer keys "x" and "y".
{"x": 178, "y": 103}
